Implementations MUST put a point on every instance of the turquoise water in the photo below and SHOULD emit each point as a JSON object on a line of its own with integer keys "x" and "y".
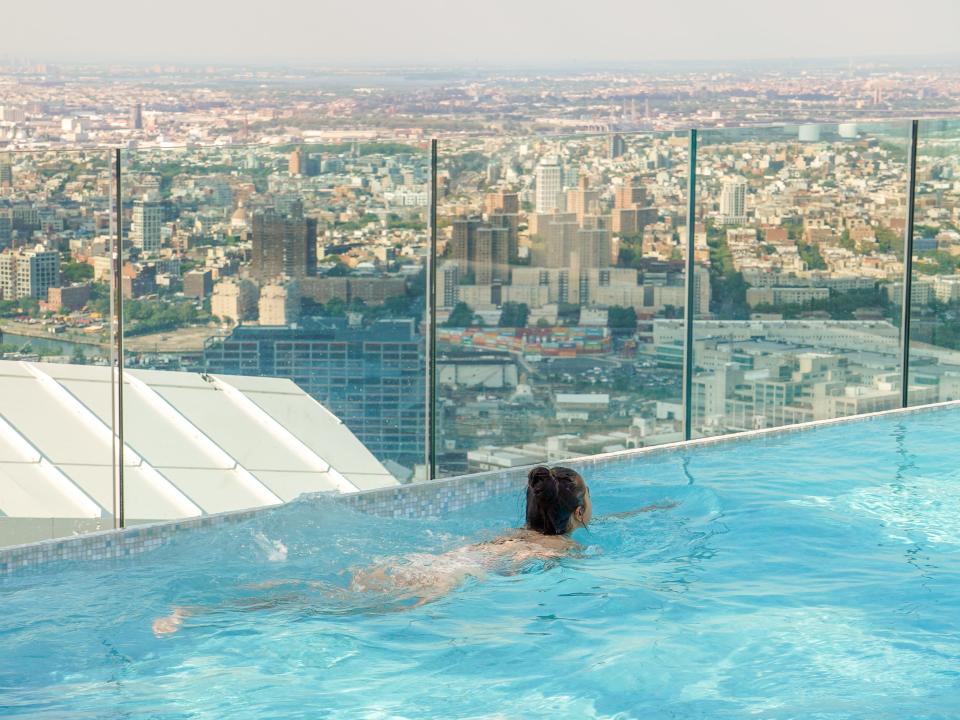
{"x": 815, "y": 575}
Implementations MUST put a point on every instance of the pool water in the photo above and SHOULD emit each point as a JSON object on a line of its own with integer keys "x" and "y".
{"x": 812, "y": 575}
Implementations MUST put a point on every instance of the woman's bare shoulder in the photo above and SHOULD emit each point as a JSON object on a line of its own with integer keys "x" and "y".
{"x": 528, "y": 543}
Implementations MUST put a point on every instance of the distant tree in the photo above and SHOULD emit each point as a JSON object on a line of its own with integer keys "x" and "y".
{"x": 337, "y": 307}
{"x": 627, "y": 257}
{"x": 514, "y": 314}
{"x": 30, "y": 306}
{"x": 568, "y": 313}
{"x": 460, "y": 316}
{"x": 397, "y": 305}
{"x": 78, "y": 358}
{"x": 74, "y": 272}
{"x": 622, "y": 317}
{"x": 338, "y": 270}
{"x": 889, "y": 241}
{"x": 936, "y": 262}
{"x": 810, "y": 254}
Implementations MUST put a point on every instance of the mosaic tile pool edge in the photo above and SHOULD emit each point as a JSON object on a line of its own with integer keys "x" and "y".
{"x": 429, "y": 499}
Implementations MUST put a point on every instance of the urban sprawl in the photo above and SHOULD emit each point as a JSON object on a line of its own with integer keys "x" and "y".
{"x": 275, "y": 223}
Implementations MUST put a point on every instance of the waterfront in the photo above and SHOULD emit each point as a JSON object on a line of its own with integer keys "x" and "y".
{"x": 52, "y": 346}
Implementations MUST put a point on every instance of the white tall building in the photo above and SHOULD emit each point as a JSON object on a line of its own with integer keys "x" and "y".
{"x": 234, "y": 299}
{"x": 549, "y": 185}
{"x": 279, "y": 304}
{"x": 145, "y": 228}
{"x": 28, "y": 273}
{"x": 733, "y": 202}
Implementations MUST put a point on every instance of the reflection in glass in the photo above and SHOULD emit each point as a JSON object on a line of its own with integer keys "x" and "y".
{"x": 560, "y": 297}
{"x": 55, "y": 391}
{"x": 935, "y": 317}
{"x": 802, "y": 229}
{"x": 287, "y": 284}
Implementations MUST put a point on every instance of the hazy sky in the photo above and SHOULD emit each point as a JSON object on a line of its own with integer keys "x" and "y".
{"x": 490, "y": 32}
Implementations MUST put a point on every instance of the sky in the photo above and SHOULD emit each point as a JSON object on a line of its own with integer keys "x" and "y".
{"x": 484, "y": 32}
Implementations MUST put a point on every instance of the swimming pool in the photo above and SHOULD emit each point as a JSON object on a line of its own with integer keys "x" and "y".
{"x": 812, "y": 574}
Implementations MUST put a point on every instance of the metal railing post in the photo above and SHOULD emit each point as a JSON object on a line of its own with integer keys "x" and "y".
{"x": 906, "y": 305}
{"x": 116, "y": 347}
{"x": 430, "y": 448}
{"x": 689, "y": 310}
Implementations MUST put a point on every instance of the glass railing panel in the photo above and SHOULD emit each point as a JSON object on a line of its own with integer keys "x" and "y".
{"x": 273, "y": 322}
{"x": 935, "y": 317}
{"x": 56, "y": 470}
{"x": 804, "y": 226}
{"x": 560, "y": 297}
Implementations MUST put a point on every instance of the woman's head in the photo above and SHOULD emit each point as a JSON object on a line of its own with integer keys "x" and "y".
{"x": 558, "y": 500}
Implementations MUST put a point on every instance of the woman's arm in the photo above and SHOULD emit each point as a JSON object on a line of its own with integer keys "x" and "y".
{"x": 169, "y": 624}
{"x": 645, "y": 508}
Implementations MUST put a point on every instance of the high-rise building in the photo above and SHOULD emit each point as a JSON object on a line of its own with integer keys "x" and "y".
{"x": 483, "y": 249}
{"x": 560, "y": 239}
{"x": 279, "y": 304}
{"x": 6, "y": 226}
{"x": 502, "y": 202}
{"x": 594, "y": 248}
{"x": 462, "y": 242}
{"x": 449, "y": 284}
{"x": 296, "y": 164}
{"x": 6, "y": 172}
{"x": 629, "y": 195}
{"x": 136, "y": 117}
{"x": 234, "y": 300}
{"x": 733, "y": 202}
{"x": 616, "y": 146}
{"x": 12, "y": 114}
{"x": 582, "y": 200}
{"x": 512, "y": 223}
{"x": 284, "y": 244}
{"x": 549, "y": 179}
{"x": 491, "y": 247}
{"x": 145, "y": 226}
{"x": 28, "y": 273}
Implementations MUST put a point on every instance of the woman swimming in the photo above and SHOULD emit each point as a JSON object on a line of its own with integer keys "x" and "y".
{"x": 557, "y": 503}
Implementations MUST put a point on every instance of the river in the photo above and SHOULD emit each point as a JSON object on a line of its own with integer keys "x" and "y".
{"x": 53, "y": 343}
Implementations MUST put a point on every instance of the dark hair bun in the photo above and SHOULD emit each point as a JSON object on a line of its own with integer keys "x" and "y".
{"x": 542, "y": 482}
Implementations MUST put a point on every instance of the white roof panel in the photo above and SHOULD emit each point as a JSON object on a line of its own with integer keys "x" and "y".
{"x": 160, "y": 433}
{"x": 289, "y": 485}
{"x": 321, "y": 431}
{"x": 237, "y": 433}
{"x": 29, "y": 491}
{"x": 95, "y": 480}
{"x": 60, "y": 434}
{"x": 195, "y": 444}
{"x": 95, "y": 394}
{"x": 142, "y": 498}
{"x": 213, "y": 490}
